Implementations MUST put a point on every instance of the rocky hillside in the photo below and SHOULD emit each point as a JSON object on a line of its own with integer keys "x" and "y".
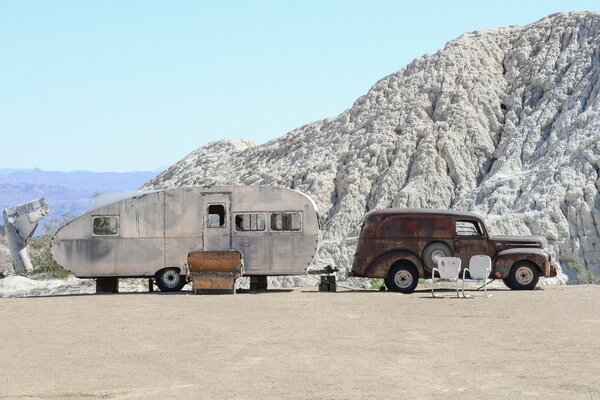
{"x": 5, "y": 260}
{"x": 503, "y": 122}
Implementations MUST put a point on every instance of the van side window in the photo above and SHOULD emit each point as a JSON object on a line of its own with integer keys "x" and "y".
{"x": 105, "y": 225}
{"x": 216, "y": 215}
{"x": 290, "y": 221}
{"x": 250, "y": 222}
{"x": 468, "y": 228}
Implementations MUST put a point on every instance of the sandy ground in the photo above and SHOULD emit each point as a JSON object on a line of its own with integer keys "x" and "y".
{"x": 301, "y": 344}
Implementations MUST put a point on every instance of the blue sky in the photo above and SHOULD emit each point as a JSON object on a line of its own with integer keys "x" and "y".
{"x": 136, "y": 85}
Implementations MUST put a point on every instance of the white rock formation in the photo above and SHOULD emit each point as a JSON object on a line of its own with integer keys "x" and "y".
{"x": 504, "y": 122}
{"x": 5, "y": 259}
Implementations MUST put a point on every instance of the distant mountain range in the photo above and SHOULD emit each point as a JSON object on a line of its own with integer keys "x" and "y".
{"x": 66, "y": 192}
{"x": 78, "y": 180}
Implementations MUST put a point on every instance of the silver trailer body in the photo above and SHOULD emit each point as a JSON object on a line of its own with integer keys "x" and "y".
{"x": 276, "y": 230}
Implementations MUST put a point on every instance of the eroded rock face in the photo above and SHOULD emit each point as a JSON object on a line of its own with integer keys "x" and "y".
{"x": 504, "y": 122}
{"x": 5, "y": 260}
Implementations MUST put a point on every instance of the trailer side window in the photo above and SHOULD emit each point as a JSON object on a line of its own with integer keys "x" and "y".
{"x": 291, "y": 221}
{"x": 216, "y": 215}
{"x": 250, "y": 222}
{"x": 106, "y": 225}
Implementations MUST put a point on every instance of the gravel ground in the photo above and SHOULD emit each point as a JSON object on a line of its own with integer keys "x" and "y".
{"x": 301, "y": 344}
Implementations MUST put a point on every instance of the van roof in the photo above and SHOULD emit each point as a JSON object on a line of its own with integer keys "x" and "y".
{"x": 436, "y": 211}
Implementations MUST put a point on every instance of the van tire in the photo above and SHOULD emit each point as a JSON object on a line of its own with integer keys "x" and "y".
{"x": 435, "y": 250}
{"x": 523, "y": 276}
{"x": 402, "y": 278}
{"x": 169, "y": 280}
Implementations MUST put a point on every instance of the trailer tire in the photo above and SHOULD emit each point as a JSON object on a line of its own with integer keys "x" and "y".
{"x": 402, "y": 278}
{"x": 523, "y": 276}
{"x": 169, "y": 280}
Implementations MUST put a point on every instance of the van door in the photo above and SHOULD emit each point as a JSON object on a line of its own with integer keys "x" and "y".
{"x": 470, "y": 240}
{"x": 217, "y": 221}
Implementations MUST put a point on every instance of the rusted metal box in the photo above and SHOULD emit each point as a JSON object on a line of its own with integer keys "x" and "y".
{"x": 215, "y": 271}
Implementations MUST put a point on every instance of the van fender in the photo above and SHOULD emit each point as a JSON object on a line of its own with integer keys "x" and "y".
{"x": 505, "y": 259}
{"x": 380, "y": 267}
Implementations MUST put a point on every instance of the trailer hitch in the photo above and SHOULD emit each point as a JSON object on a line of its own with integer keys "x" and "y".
{"x": 327, "y": 283}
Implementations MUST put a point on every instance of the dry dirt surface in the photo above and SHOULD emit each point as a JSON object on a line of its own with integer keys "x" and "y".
{"x": 302, "y": 344}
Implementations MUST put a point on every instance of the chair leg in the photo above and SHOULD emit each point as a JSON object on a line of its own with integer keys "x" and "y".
{"x": 433, "y": 282}
{"x": 485, "y": 282}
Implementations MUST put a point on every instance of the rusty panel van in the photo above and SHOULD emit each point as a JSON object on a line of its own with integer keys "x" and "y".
{"x": 403, "y": 245}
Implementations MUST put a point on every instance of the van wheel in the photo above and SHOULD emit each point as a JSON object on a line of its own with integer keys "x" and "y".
{"x": 523, "y": 276}
{"x": 169, "y": 280}
{"x": 433, "y": 252}
{"x": 402, "y": 278}
{"x": 507, "y": 282}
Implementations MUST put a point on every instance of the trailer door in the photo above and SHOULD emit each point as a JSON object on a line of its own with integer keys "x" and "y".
{"x": 217, "y": 221}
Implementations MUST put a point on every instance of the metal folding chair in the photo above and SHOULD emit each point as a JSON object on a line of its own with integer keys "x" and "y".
{"x": 449, "y": 271}
{"x": 480, "y": 268}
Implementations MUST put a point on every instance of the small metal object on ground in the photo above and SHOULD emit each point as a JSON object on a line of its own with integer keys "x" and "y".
{"x": 107, "y": 285}
{"x": 327, "y": 283}
{"x": 258, "y": 283}
{"x": 215, "y": 271}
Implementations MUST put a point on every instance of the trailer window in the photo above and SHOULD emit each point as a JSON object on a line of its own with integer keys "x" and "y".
{"x": 216, "y": 215}
{"x": 105, "y": 225}
{"x": 250, "y": 222}
{"x": 286, "y": 221}
{"x": 468, "y": 228}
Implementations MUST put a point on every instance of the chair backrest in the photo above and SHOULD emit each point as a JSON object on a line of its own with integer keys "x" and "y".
{"x": 449, "y": 267}
{"x": 480, "y": 266}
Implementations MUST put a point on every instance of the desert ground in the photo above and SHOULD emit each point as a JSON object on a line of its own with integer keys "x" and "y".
{"x": 302, "y": 344}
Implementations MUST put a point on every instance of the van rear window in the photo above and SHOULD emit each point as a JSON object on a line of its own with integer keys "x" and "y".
{"x": 290, "y": 221}
{"x": 105, "y": 225}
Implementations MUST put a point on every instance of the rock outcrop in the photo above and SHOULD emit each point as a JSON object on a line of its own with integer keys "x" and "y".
{"x": 503, "y": 122}
{"x": 5, "y": 259}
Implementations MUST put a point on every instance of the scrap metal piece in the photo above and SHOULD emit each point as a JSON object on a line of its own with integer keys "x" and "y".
{"x": 20, "y": 223}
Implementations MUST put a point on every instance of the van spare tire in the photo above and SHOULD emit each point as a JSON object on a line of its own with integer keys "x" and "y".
{"x": 433, "y": 252}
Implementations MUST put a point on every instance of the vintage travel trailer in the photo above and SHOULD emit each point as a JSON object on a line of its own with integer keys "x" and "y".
{"x": 151, "y": 233}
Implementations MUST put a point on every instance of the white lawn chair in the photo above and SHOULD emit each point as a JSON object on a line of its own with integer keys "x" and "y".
{"x": 480, "y": 268}
{"x": 449, "y": 270}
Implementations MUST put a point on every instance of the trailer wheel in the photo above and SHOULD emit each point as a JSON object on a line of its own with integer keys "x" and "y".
{"x": 402, "y": 278}
{"x": 169, "y": 280}
{"x": 523, "y": 276}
